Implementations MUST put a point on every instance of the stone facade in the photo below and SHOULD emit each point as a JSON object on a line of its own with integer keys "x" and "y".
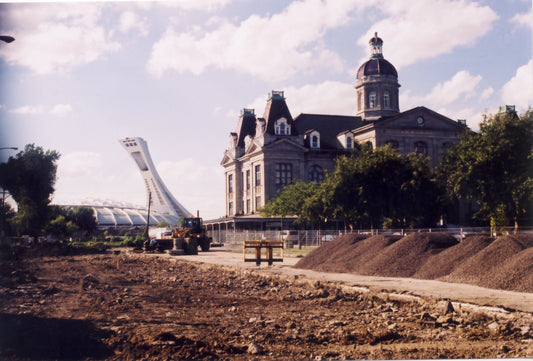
{"x": 268, "y": 152}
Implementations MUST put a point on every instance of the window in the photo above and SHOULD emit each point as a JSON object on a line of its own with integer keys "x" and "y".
{"x": 359, "y": 100}
{"x": 386, "y": 100}
{"x": 314, "y": 141}
{"x": 257, "y": 175}
{"x": 248, "y": 179}
{"x": 283, "y": 174}
{"x": 230, "y": 208}
{"x": 372, "y": 100}
{"x": 281, "y": 127}
{"x": 315, "y": 174}
{"x": 230, "y": 183}
{"x": 248, "y": 209}
{"x": 257, "y": 202}
{"x": 421, "y": 147}
{"x": 349, "y": 143}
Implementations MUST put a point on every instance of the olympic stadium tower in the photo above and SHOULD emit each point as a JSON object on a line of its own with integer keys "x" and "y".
{"x": 163, "y": 202}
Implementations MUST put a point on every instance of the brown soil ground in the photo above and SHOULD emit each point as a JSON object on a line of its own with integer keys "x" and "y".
{"x": 73, "y": 303}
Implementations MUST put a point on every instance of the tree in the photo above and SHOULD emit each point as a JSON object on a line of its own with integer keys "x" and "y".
{"x": 30, "y": 178}
{"x": 366, "y": 188}
{"x": 293, "y": 200}
{"x": 494, "y": 167}
{"x": 371, "y": 186}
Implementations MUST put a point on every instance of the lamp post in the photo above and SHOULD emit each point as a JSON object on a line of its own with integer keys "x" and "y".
{"x": 12, "y": 148}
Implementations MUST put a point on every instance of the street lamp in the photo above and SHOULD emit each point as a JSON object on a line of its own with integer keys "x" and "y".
{"x": 13, "y": 148}
{"x": 7, "y": 38}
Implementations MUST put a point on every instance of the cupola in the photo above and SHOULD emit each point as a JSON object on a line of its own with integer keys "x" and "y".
{"x": 377, "y": 85}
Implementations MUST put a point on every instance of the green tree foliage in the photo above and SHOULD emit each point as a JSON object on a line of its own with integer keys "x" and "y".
{"x": 372, "y": 186}
{"x": 365, "y": 189}
{"x": 296, "y": 199}
{"x": 30, "y": 178}
{"x": 77, "y": 222}
{"x": 494, "y": 168}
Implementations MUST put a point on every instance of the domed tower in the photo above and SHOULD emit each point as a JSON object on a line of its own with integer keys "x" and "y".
{"x": 377, "y": 85}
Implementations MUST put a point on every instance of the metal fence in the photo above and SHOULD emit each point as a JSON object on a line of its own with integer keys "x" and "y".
{"x": 309, "y": 238}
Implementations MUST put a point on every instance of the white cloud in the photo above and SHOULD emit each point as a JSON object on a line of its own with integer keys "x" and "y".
{"x": 61, "y": 109}
{"x": 329, "y": 97}
{"x": 518, "y": 90}
{"x": 79, "y": 164}
{"x": 523, "y": 19}
{"x": 202, "y": 5}
{"x": 28, "y": 110}
{"x": 131, "y": 21}
{"x": 57, "y": 37}
{"x": 186, "y": 171}
{"x": 423, "y": 29}
{"x": 461, "y": 86}
{"x": 487, "y": 93}
{"x": 58, "y": 109}
{"x": 276, "y": 46}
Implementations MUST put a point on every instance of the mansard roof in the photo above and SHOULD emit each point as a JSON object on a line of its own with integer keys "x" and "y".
{"x": 245, "y": 126}
{"x": 275, "y": 109}
{"x": 329, "y": 126}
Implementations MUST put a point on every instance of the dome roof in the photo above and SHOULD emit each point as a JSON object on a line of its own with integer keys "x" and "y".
{"x": 377, "y": 66}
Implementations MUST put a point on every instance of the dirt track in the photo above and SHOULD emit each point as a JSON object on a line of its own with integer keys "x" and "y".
{"x": 128, "y": 306}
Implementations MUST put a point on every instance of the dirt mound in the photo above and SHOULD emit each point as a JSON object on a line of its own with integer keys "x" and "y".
{"x": 485, "y": 267}
{"x": 325, "y": 257}
{"x": 443, "y": 263}
{"x": 354, "y": 260}
{"x": 404, "y": 257}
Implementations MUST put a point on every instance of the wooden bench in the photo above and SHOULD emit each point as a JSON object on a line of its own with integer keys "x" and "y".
{"x": 269, "y": 247}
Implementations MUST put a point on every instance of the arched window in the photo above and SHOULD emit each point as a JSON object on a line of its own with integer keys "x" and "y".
{"x": 386, "y": 99}
{"x": 314, "y": 141}
{"x": 281, "y": 127}
{"x": 372, "y": 98}
{"x": 421, "y": 147}
{"x": 315, "y": 174}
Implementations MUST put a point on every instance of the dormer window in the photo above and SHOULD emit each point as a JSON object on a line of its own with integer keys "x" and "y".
{"x": 314, "y": 141}
{"x": 281, "y": 127}
{"x": 312, "y": 138}
{"x": 349, "y": 143}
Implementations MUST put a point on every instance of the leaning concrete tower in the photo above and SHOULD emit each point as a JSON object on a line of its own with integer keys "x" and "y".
{"x": 163, "y": 201}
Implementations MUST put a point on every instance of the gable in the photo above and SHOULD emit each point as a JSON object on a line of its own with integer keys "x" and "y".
{"x": 420, "y": 118}
{"x": 285, "y": 145}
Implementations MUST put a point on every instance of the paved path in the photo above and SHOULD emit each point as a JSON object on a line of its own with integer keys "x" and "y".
{"x": 453, "y": 291}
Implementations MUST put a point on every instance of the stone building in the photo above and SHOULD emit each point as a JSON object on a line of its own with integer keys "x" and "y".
{"x": 268, "y": 152}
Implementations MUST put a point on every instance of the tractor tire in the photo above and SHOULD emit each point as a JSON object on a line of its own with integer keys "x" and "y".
{"x": 191, "y": 245}
{"x": 204, "y": 244}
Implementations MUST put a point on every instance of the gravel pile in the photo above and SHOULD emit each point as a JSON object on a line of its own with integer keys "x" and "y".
{"x": 486, "y": 267}
{"x": 502, "y": 263}
{"x": 443, "y": 263}
{"x": 404, "y": 257}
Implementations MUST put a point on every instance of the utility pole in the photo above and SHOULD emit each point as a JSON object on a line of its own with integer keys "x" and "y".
{"x": 148, "y": 218}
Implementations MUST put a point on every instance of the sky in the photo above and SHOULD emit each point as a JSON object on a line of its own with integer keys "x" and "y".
{"x": 82, "y": 75}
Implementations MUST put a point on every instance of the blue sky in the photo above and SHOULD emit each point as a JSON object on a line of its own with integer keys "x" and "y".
{"x": 80, "y": 76}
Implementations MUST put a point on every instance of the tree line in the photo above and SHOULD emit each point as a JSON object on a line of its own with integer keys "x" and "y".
{"x": 489, "y": 172}
{"x": 29, "y": 178}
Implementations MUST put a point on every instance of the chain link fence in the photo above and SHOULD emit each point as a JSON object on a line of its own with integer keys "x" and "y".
{"x": 313, "y": 238}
